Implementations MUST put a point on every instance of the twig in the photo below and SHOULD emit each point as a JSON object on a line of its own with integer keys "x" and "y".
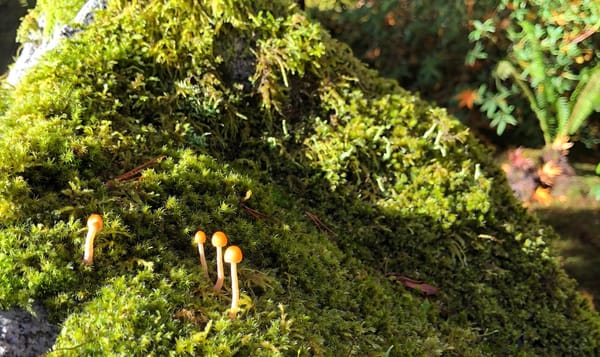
{"x": 136, "y": 171}
{"x": 256, "y": 214}
{"x": 587, "y": 33}
{"x": 322, "y": 226}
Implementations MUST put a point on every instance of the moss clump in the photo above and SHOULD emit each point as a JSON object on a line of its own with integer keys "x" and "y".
{"x": 246, "y": 96}
{"x": 50, "y": 15}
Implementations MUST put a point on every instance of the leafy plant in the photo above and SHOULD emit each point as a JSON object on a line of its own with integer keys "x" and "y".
{"x": 551, "y": 62}
{"x": 422, "y": 44}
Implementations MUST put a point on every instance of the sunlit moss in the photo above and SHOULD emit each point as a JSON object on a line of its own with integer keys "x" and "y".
{"x": 51, "y": 15}
{"x": 352, "y": 178}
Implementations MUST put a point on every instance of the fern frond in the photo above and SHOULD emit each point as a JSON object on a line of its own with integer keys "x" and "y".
{"x": 587, "y": 101}
{"x": 563, "y": 111}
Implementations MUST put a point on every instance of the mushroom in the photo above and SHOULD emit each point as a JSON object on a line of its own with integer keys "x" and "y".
{"x": 200, "y": 239}
{"x": 233, "y": 255}
{"x": 94, "y": 224}
{"x": 219, "y": 240}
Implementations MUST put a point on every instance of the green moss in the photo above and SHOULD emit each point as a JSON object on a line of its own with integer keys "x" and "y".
{"x": 239, "y": 98}
{"x": 54, "y": 14}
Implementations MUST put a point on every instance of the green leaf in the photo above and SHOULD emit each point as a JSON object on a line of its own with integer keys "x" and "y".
{"x": 587, "y": 101}
{"x": 476, "y": 53}
{"x": 562, "y": 113}
{"x": 504, "y": 70}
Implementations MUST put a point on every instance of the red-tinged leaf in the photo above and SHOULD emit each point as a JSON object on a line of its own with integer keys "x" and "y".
{"x": 466, "y": 98}
{"x": 418, "y": 285}
{"x": 519, "y": 160}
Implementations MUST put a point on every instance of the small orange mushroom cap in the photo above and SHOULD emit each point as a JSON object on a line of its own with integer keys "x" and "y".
{"x": 219, "y": 239}
{"x": 200, "y": 237}
{"x": 95, "y": 222}
{"x": 233, "y": 254}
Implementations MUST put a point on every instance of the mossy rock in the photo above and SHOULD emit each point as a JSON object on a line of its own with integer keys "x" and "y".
{"x": 333, "y": 181}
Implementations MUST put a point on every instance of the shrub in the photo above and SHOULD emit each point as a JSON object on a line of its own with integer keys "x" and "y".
{"x": 422, "y": 44}
{"x": 551, "y": 61}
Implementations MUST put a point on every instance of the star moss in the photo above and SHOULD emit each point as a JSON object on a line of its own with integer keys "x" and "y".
{"x": 333, "y": 182}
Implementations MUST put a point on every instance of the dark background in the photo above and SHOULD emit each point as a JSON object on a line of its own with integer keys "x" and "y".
{"x": 11, "y": 12}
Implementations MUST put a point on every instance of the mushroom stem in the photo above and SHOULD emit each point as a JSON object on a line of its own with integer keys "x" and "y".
{"x": 203, "y": 260}
{"x": 233, "y": 255}
{"x": 200, "y": 239}
{"x": 220, "y": 270}
{"x": 94, "y": 224}
{"x": 219, "y": 240}
{"x": 235, "y": 291}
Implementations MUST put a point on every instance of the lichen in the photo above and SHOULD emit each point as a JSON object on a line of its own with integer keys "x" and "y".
{"x": 352, "y": 179}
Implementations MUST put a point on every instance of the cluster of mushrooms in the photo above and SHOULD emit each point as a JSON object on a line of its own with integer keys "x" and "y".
{"x": 233, "y": 255}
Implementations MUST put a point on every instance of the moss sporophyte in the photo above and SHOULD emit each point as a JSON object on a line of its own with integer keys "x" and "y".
{"x": 244, "y": 95}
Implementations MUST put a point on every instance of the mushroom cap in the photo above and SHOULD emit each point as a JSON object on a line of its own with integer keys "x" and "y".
{"x": 219, "y": 239}
{"x": 233, "y": 254}
{"x": 200, "y": 237}
{"x": 95, "y": 222}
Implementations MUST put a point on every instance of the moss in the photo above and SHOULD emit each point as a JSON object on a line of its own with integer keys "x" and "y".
{"x": 243, "y": 96}
{"x": 49, "y": 14}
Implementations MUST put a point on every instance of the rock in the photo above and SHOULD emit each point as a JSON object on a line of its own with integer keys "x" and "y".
{"x": 25, "y": 334}
{"x": 32, "y": 51}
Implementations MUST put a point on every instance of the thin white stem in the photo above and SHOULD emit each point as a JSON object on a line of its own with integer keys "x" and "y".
{"x": 235, "y": 291}
{"x": 88, "y": 252}
{"x": 220, "y": 270}
{"x": 203, "y": 259}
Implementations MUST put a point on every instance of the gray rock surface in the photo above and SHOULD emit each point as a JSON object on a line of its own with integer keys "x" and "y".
{"x": 32, "y": 51}
{"x": 24, "y": 334}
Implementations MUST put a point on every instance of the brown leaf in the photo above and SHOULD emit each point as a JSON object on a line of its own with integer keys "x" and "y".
{"x": 519, "y": 160}
{"x": 466, "y": 98}
{"x": 422, "y": 287}
{"x": 542, "y": 195}
{"x": 548, "y": 172}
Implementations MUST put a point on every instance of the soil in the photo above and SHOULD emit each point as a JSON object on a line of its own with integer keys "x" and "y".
{"x": 573, "y": 210}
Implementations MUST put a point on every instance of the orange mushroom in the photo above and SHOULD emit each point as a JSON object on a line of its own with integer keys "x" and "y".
{"x": 200, "y": 239}
{"x": 219, "y": 240}
{"x": 233, "y": 255}
{"x": 94, "y": 225}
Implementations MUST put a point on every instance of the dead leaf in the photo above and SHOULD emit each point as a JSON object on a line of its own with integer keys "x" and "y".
{"x": 542, "y": 195}
{"x": 561, "y": 144}
{"x": 559, "y": 18}
{"x": 466, "y": 98}
{"x": 390, "y": 20}
{"x": 548, "y": 172}
{"x": 373, "y": 53}
{"x": 422, "y": 287}
{"x": 519, "y": 160}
